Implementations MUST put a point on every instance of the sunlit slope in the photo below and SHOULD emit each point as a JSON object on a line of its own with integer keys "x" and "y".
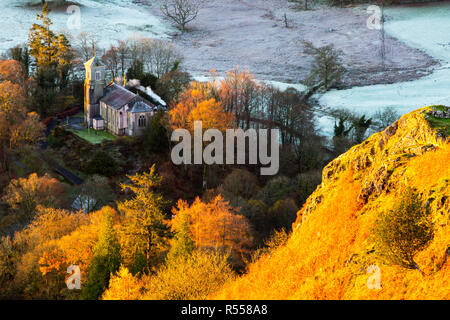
{"x": 329, "y": 253}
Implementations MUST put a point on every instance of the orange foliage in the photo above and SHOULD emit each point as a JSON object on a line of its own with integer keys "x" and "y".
{"x": 77, "y": 247}
{"x": 11, "y": 70}
{"x": 52, "y": 261}
{"x": 215, "y": 225}
{"x": 211, "y": 114}
{"x": 331, "y": 248}
{"x": 197, "y": 104}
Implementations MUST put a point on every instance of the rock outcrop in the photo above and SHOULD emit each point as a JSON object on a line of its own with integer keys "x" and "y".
{"x": 331, "y": 247}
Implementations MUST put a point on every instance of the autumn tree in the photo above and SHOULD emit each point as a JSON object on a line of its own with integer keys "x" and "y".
{"x": 196, "y": 104}
{"x": 240, "y": 95}
{"x": 106, "y": 261}
{"x": 53, "y": 55}
{"x": 42, "y": 40}
{"x": 403, "y": 231}
{"x": 123, "y": 286}
{"x": 24, "y": 194}
{"x": 38, "y": 237}
{"x": 15, "y": 72}
{"x": 182, "y": 243}
{"x": 215, "y": 225}
{"x": 145, "y": 231}
{"x": 197, "y": 277}
{"x": 21, "y": 54}
{"x": 87, "y": 236}
{"x": 189, "y": 99}
{"x": 63, "y": 59}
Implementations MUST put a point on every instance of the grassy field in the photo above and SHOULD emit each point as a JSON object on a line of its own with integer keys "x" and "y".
{"x": 93, "y": 136}
{"x": 441, "y": 124}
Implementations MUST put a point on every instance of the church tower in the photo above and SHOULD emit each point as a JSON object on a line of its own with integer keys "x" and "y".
{"x": 94, "y": 85}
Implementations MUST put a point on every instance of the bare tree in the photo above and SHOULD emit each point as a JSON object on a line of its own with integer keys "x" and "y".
{"x": 111, "y": 59}
{"x": 159, "y": 56}
{"x": 86, "y": 45}
{"x": 181, "y": 12}
{"x": 123, "y": 51}
{"x": 384, "y": 118}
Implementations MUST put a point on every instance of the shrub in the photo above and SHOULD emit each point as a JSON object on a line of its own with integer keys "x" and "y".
{"x": 276, "y": 189}
{"x": 403, "y": 231}
{"x": 196, "y": 277}
{"x": 282, "y": 214}
{"x": 103, "y": 164}
{"x": 239, "y": 184}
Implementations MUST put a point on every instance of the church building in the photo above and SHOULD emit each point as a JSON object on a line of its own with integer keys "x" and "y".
{"x": 112, "y": 107}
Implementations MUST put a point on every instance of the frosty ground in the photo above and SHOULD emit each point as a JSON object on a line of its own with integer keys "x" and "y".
{"x": 253, "y": 35}
{"x": 423, "y": 27}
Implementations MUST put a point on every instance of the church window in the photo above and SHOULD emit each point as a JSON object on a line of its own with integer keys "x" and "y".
{"x": 141, "y": 121}
{"x": 98, "y": 75}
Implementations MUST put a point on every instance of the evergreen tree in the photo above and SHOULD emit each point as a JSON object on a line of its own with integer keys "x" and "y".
{"x": 21, "y": 54}
{"x": 63, "y": 58}
{"x": 53, "y": 56}
{"x": 42, "y": 40}
{"x": 403, "y": 231}
{"x": 102, "y": 163}
{"x": 361, "y": 125}
{"x": 155, "y": 138}
{"x": 183, "y": 244}
{"x": 145, "y": 231}
{"x": 106, "y": 261}
{"x": 327, "y": 69}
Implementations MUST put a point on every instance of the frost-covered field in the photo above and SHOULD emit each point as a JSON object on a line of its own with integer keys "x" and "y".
{"x": 423, "y": 27}
{"x": 108, "y": 19}
{"x": 252, "y": 33}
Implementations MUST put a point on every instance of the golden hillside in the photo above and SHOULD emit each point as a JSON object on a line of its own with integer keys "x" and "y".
{"x": 330, "y": 251}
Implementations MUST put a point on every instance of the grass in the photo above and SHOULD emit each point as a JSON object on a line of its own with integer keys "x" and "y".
{"x": 93, "y": 136}
{"x": 79, "y": 115}
{"x": 440, "y": 124}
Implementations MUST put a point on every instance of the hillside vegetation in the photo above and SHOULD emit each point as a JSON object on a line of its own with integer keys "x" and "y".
{"x": 332, "y": 254}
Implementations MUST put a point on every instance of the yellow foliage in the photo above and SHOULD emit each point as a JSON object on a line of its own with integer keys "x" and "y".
{"x": 330, "y": 251}
{"x": 192, "y": 278}
{"x": 123, "y": 286}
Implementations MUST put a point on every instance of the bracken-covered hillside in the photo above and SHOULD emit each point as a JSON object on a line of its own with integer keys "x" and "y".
{"x": 331, "y": 248}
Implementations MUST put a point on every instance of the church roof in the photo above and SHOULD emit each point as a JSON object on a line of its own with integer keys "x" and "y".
{"x": 117, "y": 96}
{"x": 141, "y": 106}
{"x": 94, "y": 62}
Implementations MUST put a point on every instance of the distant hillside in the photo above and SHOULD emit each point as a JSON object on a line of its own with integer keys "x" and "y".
{"x": 330, "y": 250}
